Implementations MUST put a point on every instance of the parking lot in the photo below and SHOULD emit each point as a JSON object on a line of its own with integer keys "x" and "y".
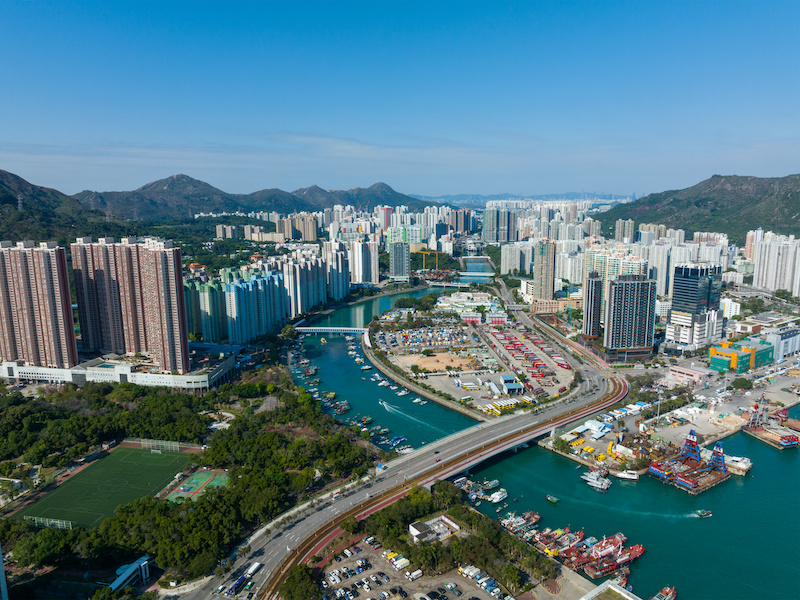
{"x": 412, "y": 341}
{"x": 367, "y": 575}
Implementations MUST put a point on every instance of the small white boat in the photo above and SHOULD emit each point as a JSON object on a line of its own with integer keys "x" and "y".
{"x": 596, "y": 481}
{"x": 630, "y": 475}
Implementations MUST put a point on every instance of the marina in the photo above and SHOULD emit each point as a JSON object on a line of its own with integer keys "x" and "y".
{"x": 664, "y": 521}
{"x": 657, "y": 516}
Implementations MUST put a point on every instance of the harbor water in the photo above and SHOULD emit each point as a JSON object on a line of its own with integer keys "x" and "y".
{"x": 748, "y": 550}
{"x": 337, "y": 371}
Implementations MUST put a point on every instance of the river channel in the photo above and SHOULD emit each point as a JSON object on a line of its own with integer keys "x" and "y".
{"x": 748, "y": 550}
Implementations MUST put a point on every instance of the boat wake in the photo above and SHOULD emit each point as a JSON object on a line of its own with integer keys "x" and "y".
{"x": 396, "y": 411}
{"x": 627, "y": 510}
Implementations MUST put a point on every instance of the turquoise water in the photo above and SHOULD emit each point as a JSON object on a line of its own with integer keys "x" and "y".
{"x": 338, "y": 372}
{"x": 359, "y": 315}
{"x": 477, "y": 266}
{"x": 749, "y": 549}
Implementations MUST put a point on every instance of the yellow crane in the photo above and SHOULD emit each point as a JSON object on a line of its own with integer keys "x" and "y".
{"x": 425, "y": 253}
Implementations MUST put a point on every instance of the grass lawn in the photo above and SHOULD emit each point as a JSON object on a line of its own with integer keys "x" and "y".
{"x": 93, "y": 494}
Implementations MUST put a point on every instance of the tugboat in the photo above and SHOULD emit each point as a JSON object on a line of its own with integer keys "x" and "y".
{"x": 702, "y": 513}
{"x": 552, "y": 499}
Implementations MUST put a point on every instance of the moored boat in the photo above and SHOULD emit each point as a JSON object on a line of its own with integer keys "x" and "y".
{"x": 596, "y": 481}
{"x": 667, "y": 593}
{"x": 629, "y": 474}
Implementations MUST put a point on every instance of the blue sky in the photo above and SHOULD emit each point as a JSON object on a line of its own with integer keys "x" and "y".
{"x": 431, "y": 98}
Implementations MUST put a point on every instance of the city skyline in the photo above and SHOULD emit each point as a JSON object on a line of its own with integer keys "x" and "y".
{"x": 433, "y": 99}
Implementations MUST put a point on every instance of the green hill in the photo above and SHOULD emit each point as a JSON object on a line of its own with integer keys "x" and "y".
{"x": 729, "y": 204}
{"x": 180, "y": 197}
{"x": 46, "y": 214}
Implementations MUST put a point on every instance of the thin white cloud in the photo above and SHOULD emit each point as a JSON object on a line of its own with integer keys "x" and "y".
{"x": 501, "y": 162}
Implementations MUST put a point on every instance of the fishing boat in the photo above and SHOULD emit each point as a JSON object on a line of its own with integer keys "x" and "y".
{"x": 667, "y": 593}
{"x": 552, "y": 499}
{"x": 703, "y": 513}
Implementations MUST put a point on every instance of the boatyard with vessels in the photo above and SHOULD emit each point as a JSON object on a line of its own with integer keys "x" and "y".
{"x": 516, "y": 492}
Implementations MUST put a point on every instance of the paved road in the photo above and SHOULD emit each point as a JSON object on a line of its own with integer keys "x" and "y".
{"x": 456, "y": 453}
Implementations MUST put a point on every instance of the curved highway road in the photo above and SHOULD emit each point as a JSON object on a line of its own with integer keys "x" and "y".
{"x": 314, "y": 527}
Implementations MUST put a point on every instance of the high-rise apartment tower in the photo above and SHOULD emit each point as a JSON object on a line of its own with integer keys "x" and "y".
{"x": 35, "y": 308}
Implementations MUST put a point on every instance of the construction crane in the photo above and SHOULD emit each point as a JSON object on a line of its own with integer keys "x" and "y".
{"x": 425, "y": 253}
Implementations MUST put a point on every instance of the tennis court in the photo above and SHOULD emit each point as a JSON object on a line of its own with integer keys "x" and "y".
{"x": 93, "y": 494}
{"x": 197, "y": 485}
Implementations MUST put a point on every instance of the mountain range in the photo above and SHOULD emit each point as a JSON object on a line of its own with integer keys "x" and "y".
{"x": 180, "y": 197}
{"x": 31, "y": 212}
{"x": 729, "y": 204}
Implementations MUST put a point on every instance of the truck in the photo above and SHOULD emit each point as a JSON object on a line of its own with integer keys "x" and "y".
{"x": 401, "y": 564}
{"x": 415, "y": 575}
{"x": 487, "y": 584}
{"x": 252, "y": 569}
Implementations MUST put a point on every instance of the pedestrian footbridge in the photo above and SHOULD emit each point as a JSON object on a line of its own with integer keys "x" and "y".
{"x": 345, "y": 330}
{"x": 342, "y": 330}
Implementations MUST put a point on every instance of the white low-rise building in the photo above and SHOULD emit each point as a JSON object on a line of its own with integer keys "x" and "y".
{"x": 103, "y": 371}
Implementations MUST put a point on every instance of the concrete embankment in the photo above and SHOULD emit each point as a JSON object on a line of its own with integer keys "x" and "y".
{"x": 420, "y": 391}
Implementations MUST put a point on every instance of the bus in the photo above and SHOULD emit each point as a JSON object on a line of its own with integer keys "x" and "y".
{"x": 236, "y": 587}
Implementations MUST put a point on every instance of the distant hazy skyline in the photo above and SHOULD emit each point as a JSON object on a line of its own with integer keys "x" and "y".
{"x": 430, "y": 98}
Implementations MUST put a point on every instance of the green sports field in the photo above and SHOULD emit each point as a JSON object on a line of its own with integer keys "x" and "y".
{"x": 93, "y": 494}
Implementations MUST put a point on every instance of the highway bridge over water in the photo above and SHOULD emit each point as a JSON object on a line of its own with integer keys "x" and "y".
{"x": 442, "y": 459}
